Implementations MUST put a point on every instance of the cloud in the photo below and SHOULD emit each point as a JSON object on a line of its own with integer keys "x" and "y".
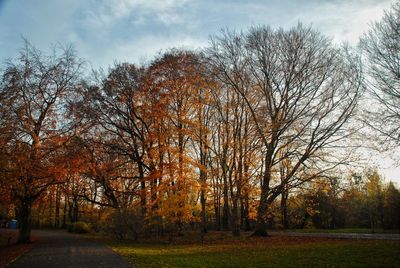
{"x": 109, "y": 13}
{"x": 342, "y": 20}
{"x": 141, "y": 49}
{"x": 103, "y": 30}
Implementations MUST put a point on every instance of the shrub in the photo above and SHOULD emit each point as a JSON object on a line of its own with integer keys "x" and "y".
{"x": 79, "y": 227}
{"x": 124, "y": 224}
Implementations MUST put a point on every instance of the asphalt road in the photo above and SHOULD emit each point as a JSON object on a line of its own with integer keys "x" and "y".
{"x": 60, "y": 249}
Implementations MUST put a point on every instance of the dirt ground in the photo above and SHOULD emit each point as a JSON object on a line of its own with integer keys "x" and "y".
{"x": 9, "y": 250}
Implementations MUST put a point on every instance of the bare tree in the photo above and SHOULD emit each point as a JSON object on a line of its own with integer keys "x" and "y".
{"x": 381, "y": 46}
{"x": 300, "y": 92}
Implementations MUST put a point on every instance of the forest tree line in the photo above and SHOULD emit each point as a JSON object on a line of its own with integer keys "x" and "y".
{"x": 254, "y": 128}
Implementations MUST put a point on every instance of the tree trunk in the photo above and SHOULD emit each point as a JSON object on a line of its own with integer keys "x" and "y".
{"x": 181, "y": 182}
{"x": 225, "y": 216}
{"x": 143, "y": 197}
{"x": 203, "y": 179}
{"x": 73, "y": 211}
{"x": 261, "y": 225}
{"x": 143, "y": 201}
{"x": 50, "y": 223}
{"x": 57, "y": 216}
{"x": 25, "y": 221}
{"x": 225, "y": 209}
{"x": 285, "y": 222}
{"x": 217, "y": 207}
{"x": 244, "y": 201}
{"x": 76, "y": 211}
{"x": 235, "y": 218}
{"x": 64, "y": 224}
{"x": 203, "y": 212}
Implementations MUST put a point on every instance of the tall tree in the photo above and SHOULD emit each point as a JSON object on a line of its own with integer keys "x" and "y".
{"x": 118, "y": 108}
{"x": 180, "y": 76}
{"x": 391, "y": 207}
{"x": 381, "y": 46}
{"x": 300, "y": 91}
{"x": 35, "y": 99}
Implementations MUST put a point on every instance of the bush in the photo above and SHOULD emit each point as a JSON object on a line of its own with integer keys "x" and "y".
{"x": 79, "y": 227}
{"x": 124, "y": 224}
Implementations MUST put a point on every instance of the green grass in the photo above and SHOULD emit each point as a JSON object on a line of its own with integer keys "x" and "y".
{"x": 347, "y": 231}
{"x": 264, "y": 252}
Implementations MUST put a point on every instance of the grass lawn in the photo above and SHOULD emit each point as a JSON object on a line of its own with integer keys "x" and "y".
{"x": 347, "y": 231}
{"x": 276, "y": 251}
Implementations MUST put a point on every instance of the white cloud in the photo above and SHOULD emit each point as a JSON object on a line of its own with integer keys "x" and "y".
{"x": 143, "y": 49}
{"x": 103, "y": 30}
{"x": 344, "y": 21}
{"x": 138, "y": 11}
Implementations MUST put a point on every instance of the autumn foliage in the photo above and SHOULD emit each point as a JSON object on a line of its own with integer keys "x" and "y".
{"x": 220, "y": 139}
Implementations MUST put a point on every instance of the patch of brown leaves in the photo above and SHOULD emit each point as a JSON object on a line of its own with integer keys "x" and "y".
{"x": 9, "y": 250}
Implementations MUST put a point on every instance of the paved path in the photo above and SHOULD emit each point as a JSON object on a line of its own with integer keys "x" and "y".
{"x": 60, "y": 249}
{"x": 340, "y": 235}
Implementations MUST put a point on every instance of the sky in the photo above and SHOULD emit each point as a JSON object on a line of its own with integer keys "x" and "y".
{"x": 108, "y": 31}
{"x": 104, "y": 31}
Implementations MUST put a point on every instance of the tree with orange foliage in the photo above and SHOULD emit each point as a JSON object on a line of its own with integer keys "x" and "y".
{"x": 34, "y": 104}
{"x": 180, "y": 76}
